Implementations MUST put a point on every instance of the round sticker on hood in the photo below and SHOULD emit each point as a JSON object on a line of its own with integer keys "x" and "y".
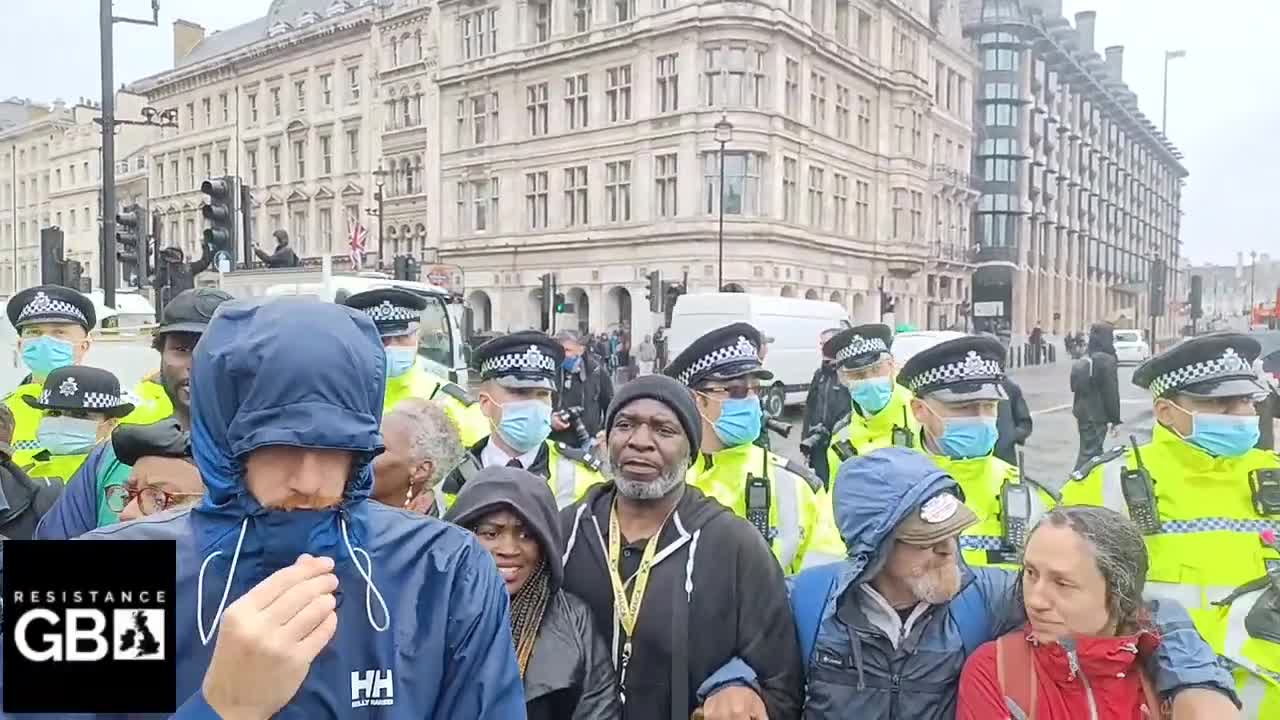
{"x": 939, "y": 508}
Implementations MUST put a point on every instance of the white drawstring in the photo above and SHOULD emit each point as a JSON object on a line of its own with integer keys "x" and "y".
{"x": 369, "y": 587}
{"x": 226, "y": 589}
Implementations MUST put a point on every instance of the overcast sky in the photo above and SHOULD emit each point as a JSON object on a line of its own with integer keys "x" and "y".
{"x": 1223, "y": 107}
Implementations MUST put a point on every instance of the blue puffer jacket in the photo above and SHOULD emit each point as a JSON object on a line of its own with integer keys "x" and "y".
{"x": 856, "y": 672}
{"x": 419, "y": 600}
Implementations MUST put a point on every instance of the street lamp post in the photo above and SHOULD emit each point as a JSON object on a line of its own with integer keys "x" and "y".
{"x": 724, "y": 135}
{"x": 379, "y": 174}
{"x": 1253, "y": 283}
{"x": 1164, "y": 97}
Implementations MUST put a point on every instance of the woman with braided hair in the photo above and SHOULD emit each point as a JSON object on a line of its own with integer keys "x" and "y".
{"x": 564, "y": 661}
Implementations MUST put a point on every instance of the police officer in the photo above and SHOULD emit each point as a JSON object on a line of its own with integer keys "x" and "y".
{"x": 53, "y": 324}
{"x": 517, "y": 381}
{"x": 397, "y": 314}
{"x": 880, "y": 409}
{"x": 784, "y": 500}
{"x": 78, "y": 407}
{"x": 957, "y": 386}
{"x": 1202, "y": 495}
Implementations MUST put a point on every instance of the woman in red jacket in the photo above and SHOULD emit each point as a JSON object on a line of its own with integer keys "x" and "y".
{"x": 1080, "y": 655}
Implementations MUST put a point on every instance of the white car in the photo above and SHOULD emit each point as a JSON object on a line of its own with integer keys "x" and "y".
{"x": 906, "y": 344}
{"x": 1130, "y": 347}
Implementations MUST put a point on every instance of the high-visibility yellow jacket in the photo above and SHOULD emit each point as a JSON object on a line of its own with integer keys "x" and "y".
{"x": 26, "y": 420}
{"x": 473, "y": 426}
{"x": 800, "y": 527}
{"x": 859, "y": 435}
{"x": 154, "y": 404}
{"x": 1207, "y": 548}
{"x": 60, "y": 467}
{"x": 569, "y": 471}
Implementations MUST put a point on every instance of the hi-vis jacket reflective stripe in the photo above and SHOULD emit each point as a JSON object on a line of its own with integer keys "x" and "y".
{"x": 864, "y": 434}
{"x": 569, "y": 472}
{"x": 25, "y": 421}
{"x": 982, "y": 479}
{"x": 1207, "y": 547}
{"x": 472, "y": 424}
{"x": 800, "y": 519}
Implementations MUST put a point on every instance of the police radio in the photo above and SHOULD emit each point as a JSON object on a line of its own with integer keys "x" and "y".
{"x": 758, "y": 505}
{"x": 1140, "y": 494}
{"x": 1264, "y": 484}
{"x": 1015, "y": 511}
{"x": 902, "y": 434}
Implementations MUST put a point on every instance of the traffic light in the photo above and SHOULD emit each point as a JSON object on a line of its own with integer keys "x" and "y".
{"x": 406, "y": 267}
{"x": 131, "y": 245}
{"x": 654, "y": 292}
{"x": 51, "y": 263}
{"x": 548, "y": 283}
{"x": 220, "y": 210}
{"x": 1155, "y": 304}
{"x": 1197, "y": 297}
{"x": 560, "y": 302}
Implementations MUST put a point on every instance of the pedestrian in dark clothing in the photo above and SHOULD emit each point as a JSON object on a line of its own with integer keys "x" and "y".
{"x": 825, "y": 405}
{"x": 1037, "y": 344}
{"x": 1096, "y": 384}
{"x": 1013, "y": 423}
{"x": 584, "y": 383}
{"x": 284, "y": 256}
{"x": 564, "y": 660}
{"x": 681, "y": 586}
{"x": 28, "y": 499}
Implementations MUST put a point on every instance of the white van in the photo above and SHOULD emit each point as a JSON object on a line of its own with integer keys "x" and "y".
{"x": 793, "y": 323}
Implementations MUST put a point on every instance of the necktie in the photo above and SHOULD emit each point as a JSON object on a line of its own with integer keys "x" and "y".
{"x": 514, "y": 463}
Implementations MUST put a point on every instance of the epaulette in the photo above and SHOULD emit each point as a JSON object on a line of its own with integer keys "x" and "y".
{"x": 578, "y": 455}
{"x": 467, "y": 469}
{"x": 803, "y": 473}
{"x": 1057, "y": 496}
{"x": 1092, "y": 463}
{"x": 456, "y": 392}
{"x": 843, "y": 423}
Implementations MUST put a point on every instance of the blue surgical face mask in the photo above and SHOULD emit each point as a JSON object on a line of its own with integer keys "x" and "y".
{"x": 570, "y": 363}
{"x": 67, "y": 435}
{"x": 1224, "y": 435}
{"x": 968, "y": 437}
{"x": 400, "y": 360}
{"x": 739, "y": 421}
{"x": 43, "y": 355}
{"x": 872, "y": 395}
{"x": 526, "y": 424}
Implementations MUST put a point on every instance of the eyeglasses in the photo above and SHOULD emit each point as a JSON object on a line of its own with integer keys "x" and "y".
{"x": 151, "y": 499}
{"x": 737, "y": 391}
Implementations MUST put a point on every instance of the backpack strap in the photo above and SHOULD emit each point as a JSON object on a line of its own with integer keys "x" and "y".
{"x": 1016, "y": 672}
{"x": 972, "y": 617}
{"x": 810, "y": 591}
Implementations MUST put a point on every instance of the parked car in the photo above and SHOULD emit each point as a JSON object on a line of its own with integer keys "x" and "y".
{"x": 1130, "y": 347}
{"x": 906, "y": 344}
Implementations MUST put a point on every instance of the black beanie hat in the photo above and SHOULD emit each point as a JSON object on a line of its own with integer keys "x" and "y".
{"x": 669, "y": 392}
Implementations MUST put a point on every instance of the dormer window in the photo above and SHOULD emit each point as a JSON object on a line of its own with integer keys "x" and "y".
{"x": 279, "y": 28}
{"x": 337, "y": 8}
{"x": 307, "y": 18}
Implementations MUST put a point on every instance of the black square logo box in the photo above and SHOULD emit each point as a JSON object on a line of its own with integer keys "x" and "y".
{"x": 115, "y": 600}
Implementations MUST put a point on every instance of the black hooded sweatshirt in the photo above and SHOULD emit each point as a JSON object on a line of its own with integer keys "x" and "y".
{"x": 570, "y": 675}
{"x": 1100, "y": 402}
{"x": 715, "y": 592}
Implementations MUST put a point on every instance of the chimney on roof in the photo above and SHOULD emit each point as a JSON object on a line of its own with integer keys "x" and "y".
{"x": 1084, "y": 28}
{"x": 186, "y": 36}
{"x": 1115, "y": 62}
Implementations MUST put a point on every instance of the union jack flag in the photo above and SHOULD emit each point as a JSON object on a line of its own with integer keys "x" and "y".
{"x": 356, "y": 242}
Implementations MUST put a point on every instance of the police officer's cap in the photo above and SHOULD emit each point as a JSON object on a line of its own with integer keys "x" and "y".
{"x": 394, "y": 311}
{"x": 526, "y": 359}
{"x": 51, "y": 304}
{"x": 959, "y": 370}
{"x": 79, "y": 387}
{"x": 165, "y": 438}
{"x": 725, "y": 353}
{"x": 191, "y": 310}
{"x": 1209, "y": 366}
{"x": 861, "y": 346}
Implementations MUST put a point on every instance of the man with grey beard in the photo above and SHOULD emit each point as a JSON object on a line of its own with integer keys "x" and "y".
{"x": 677, "y": 582}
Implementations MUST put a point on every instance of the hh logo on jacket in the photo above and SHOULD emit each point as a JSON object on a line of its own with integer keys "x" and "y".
{"x": 371, "y": 687}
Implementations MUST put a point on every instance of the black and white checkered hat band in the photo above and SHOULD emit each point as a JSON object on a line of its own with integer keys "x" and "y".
{"x": 972, "y": 369}
{"x": 91, "y": 401}
{"x": 861, "y": 346}
{"x": 1229, "y": 365}
{"x": 531, "y": 360}
{"x": 740, "y": 351}
{"x": 388, "y": 312}
{"x": 42, "y": 305}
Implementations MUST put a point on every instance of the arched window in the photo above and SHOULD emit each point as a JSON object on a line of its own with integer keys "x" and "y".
{"x": 395, "y": 52}
{"x": 417, "y": 171}
{"x": 406, "y": 116}
{"x": 410, "y": 177}
{"x": 409, "y": 48}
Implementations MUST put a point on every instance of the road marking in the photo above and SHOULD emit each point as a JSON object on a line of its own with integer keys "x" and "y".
{"x": 1067, "y": 406}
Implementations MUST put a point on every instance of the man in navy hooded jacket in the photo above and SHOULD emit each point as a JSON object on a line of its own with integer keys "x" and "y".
{"x": 284, "y": 426}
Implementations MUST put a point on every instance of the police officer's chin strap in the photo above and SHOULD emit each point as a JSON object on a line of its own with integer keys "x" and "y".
{"x": 371, "y": 591}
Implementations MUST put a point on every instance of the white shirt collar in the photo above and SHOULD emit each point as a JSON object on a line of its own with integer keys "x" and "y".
{"x": 494, "y": 456}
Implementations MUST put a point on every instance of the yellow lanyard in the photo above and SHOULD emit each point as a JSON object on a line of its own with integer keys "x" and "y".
{"x": 627, "y": 611}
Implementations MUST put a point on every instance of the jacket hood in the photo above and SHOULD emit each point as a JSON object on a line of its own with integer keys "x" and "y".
{"x": 872, "y": 494}
{"x": 1102, "y": 339}
{"x": 284, "y": 372}
{"x": 525, "y": 494}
